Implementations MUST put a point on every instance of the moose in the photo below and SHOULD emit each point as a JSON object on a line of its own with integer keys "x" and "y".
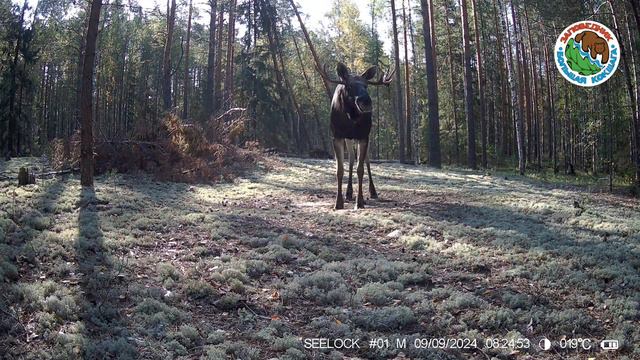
{"x": 351, "y": 124}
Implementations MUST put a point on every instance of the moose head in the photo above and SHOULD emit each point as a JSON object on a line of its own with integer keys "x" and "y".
{"x": 354, "y": 95}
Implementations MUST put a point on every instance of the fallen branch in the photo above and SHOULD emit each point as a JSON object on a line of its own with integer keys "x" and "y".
{"x": 229, "y": 112}
{"x": 132, "y": 142}
{"x": 59, "y": 172}
{"x": 211, "y": 163}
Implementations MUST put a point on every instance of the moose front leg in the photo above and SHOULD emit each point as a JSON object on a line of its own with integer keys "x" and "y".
{"x": 338, "y": 148}
{"x": 372, "y": 189}
{"x": 350, "y": 150}
{"x": 362, "y": 151}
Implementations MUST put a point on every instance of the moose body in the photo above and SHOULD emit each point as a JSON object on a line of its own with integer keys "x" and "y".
{"x": 350, "y": 127}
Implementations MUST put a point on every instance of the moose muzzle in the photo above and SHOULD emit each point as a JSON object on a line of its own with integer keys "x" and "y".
{"x": 363, "y": 103}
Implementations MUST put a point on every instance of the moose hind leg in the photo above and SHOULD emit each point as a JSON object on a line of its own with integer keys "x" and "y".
{"x": 362, "y": 150}
{"x": 372, "y": 189}
{"x": 350, "y": 150}
{"x": 338, "y": 148}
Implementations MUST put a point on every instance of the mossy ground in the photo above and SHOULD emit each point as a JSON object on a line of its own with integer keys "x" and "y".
{"x": 156, "y": 270}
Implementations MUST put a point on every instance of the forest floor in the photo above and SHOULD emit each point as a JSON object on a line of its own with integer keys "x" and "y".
{"x": 247, "y": 270}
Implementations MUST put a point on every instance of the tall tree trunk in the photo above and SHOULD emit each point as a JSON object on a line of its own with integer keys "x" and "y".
{"x": 398, "y": 87}
{"x": 433, "y": 126}
{"x": 376, "y": 50}
{"x": 533, "y": 75}
{"x": 86, "y": 96}
{"x": 13, "y": 133}
{"x": 498, "y": 128}
{"x": 553, "y": 127}
{"x": 481, "y": 84}
{"x": 185, "y": 102}
{"x": 217, "y": 85}
{"x": 453, "y": 96}
{"x": 231, "y": 42}
{"x": 166, "y": 58}
{"x": 468, "y": 88}
{"x": 407, "y": 83}
{"x": 609, "y": 116}
{"x": 520, "y": 101}
{"x": 209, "y": 98}
{"x": 416, "y": 107}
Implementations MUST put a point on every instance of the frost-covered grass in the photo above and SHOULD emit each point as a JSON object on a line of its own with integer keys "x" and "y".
{"x": 147, "y": 269}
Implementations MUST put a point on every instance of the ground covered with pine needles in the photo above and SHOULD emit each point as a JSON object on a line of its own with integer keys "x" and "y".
{"x": 146, "y": 269}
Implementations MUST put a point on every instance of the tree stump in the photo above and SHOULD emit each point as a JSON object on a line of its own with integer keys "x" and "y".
{"x": 25, "y": 177}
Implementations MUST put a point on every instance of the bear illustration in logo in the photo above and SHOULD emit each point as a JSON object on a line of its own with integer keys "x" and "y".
{"x": 594, "y": 44}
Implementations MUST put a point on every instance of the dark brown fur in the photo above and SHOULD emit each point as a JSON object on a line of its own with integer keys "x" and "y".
{"x": 351, "y": 120}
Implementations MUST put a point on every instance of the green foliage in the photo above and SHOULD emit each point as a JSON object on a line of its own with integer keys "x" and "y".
{"x": 579, "y": 63}
{"x": 200, "y": 290}
{"x": 242, "y": 350}
{"x": 156, "y": 315}
{"x": 323, "y": 287}
{"x": 378, "y": 293}
{"x": 386, "y": 318}
{"x": 255, "y": 268}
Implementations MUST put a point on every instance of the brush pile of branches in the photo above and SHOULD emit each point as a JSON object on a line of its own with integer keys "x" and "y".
{"x": 182, "y": 151}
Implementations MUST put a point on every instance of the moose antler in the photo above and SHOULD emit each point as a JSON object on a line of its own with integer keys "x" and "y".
{"x": 323, "y": 73}
{"x": 384, "y": 79}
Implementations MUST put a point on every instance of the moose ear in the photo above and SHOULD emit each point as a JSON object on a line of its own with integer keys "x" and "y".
{"x": 343, "y": 71}
{"x": 370, "y": 73}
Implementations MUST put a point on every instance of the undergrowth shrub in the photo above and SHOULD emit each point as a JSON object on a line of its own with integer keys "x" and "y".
{"x": 386, "y": 318}
{"x": 378, "y": 293}
{"x": 322, "y": 287}
{"x": 176, "y": 151}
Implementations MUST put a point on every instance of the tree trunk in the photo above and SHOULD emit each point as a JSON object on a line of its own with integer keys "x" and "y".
{"x": 416, "y": 107}
{"x": 12, "y": 132}
{"x": 231, "y": 41}
{"x": 209, "y": 98}
{"x": 499, "y": 130}
{"x": 519, "y": 102}
{"x": 453, "y": 96}
{"x": 531, "y": 84}
{"x": 481, "y": 84}
{"x": 407, "y": 89}
{"x": 217, "y": 93}
{"x": 166, "y": 58}
{"x": 398, "y": 87}
{"x": 468, "y": 88}
{"x": 86, "y": 96}
{"x": 553, "y": 154}
{"x": 185, "y": 103}
{"x": 433, "y": 126}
